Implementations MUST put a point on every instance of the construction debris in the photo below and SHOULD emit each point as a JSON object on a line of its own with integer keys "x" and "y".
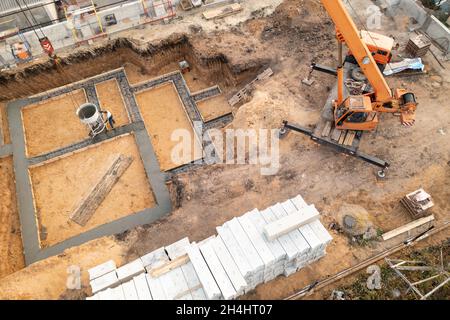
{"x": 418, "y": 46}
{"x": 222, "y": 12}
{"x": 418, "y": 203}
{"x": 226, "y": 265}
{"x": 87, "y": 206}
{"x": 406, "y": 64}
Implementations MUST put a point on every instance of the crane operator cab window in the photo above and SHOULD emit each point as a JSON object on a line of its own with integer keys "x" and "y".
{"x": 354, "y": 111}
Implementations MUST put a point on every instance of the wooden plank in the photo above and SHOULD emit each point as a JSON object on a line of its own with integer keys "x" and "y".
{"x": 327, "y": 129}
{"x": 407, "y": 227}
{"x": 177, "y": 262}
{"x": 342, "y": 137}
{"x": 89, "y": 204}
{"x": 336, "y": 134}
{"x": 222, "y": 12}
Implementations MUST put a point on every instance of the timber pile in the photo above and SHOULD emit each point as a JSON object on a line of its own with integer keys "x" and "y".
{"x": 223, "y": 266}
{"x": 87, "y": 206}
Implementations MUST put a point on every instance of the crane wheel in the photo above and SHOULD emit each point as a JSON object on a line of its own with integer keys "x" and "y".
{"x": 358, "y": 75}
{"x": 381, "y": 174}
{"x": 282, "y": 133}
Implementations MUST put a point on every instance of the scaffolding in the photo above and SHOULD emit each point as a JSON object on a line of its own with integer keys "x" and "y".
{"x": 437, "y": 272}
{"x": 19, "y": 47}
{"x": 83, "y": 20}
{"x": 156, "y": 10}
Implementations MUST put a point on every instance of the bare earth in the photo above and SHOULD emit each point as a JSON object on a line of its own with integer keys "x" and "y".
{"x": 214, "y": 108}
{"x": 11, "y": 256}
{"x": 298, "y": 32}
{"x": 163, "y": 113}
{"x": 4, "y": 125}
{"x": 58, "y": 124}
{"x": 74, "y": 176}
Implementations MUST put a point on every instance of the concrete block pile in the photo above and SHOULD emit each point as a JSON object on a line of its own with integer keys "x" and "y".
{"x": 248, "y": 250}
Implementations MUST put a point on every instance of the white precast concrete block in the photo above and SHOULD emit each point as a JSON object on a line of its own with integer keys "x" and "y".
{"x": 156, "y": 288}
{"x": 239, "y": 257}
{"x": 291, "y": 222}
{"x": 322, "y": 233}
{"x": 112, "y": 294}
{"x": 258, "y": 242}
{"x": 129, "y": 291}
{"x": 177, "y": 249}
{"x": 210, "y": 287}
{"x": 303, "y": 248}
{"x": 192, "y": 280}
{"x": 244, "y": 242}
{"x": 105, "y": 295}
{"x": 217, "y": 270}
{"x": 275, "y": 247}
{"x": 174, "y": 284}
{"x": 199, "y": 294}
{"x": 299, "y": 202}
{"x": 105, "y": 281}
{"x": 235, "y": 251}
{"x": 155, "y": 259}
{"x": 229, "y": 265}
{"x": 101, "y": 269}
{"x": 142, "y": 289}
{"x": 187, "y": 296}
{"x": 130, "y": 270}
{"x": 285, "y": 241}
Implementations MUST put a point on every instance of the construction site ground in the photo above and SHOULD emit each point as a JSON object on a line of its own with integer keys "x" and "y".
{"x": 287, "y": 36}
{"x": 59, "y": 186}
{"x": 162, "y": 111}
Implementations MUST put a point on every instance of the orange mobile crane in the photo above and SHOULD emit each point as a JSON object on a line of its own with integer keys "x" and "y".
{"x": 350, "y": 116}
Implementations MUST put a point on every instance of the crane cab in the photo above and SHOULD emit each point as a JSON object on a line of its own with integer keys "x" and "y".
{"x": 379, "y": 45}
{"x": 355, "y": 113}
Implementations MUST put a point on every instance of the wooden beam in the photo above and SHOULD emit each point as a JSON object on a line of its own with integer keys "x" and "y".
{"x": 178, "y": 262}
{"x": 87, "y": 206}
{"x": 407, "y": 227}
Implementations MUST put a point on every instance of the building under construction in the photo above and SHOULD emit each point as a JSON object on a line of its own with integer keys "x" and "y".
{"x": 209, "y": 150}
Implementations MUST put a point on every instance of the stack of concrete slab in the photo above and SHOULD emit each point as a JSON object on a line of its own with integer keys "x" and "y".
{"x": 247, "y": 251}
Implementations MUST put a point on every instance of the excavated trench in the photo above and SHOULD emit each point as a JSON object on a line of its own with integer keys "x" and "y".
{"x": 149, "y": 58}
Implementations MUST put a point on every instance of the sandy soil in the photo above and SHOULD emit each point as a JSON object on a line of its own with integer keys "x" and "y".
{"x": 11, "y": 256}
{"x": 163, "y": 113}
{"x": 214, "y": 108}
{"x": 194, "y": 80}
{"x": 58, "y": 124}
{"x": 4, "y": 124}
{"x": 74, "y": 175}
{"x": 111, "y": 99}
{"x": 297, "y": 33}
{"x": 49, "y": 277}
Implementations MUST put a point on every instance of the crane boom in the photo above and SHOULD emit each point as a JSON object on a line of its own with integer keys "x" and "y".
{"x": 347, "y": 28}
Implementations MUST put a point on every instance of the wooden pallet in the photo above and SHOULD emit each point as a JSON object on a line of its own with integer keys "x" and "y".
{"x": 244, "y": 92}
